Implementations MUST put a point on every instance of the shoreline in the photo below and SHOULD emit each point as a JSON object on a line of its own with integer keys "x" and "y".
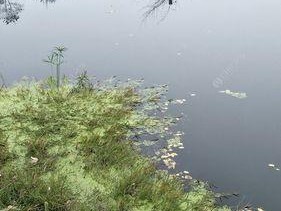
{"x": 74, "y": 148}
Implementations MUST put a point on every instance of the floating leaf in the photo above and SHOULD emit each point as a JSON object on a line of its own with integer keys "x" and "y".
{"x": 240, "y": 95}
{"x": 271, "y": 165}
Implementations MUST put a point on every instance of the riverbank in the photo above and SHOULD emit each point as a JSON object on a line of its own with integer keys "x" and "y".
{"x": 74, "y": 148}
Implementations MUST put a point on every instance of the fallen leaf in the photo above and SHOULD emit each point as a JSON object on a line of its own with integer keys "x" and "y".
{"x": 240, "y": 95}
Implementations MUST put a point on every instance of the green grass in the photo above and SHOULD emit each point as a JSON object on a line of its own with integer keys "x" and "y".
{"x": 73, "y": 149}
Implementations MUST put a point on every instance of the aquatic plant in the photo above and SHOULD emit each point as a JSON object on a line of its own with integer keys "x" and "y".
{"x": 74, "y": 149}
{"x": 239, "y": 95}
{"x": 56, "y": 59}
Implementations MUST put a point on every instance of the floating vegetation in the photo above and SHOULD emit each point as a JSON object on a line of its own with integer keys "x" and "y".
{"x": 184, "y": 175}
{"x": 273, "y": 166}
{"x": 240, "y": 95}
{"x": 178, "y": 101}
{"x": 192, "y": 95}
{"x": 167, "y": 155}
{"x": 73, "y": 149}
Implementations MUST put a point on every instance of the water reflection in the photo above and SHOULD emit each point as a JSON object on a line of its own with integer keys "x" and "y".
{"x": 9, "y": 11}
{"x": 46, "y": 2}
{"x": 158, "y": 5}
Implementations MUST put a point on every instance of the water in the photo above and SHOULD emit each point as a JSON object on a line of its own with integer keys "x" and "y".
{"x": 201, "y": 47}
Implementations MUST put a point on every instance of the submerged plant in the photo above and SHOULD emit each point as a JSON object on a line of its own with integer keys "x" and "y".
{"x": 56, "y": 59}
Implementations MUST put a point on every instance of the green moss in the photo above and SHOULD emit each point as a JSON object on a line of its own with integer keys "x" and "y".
{"x": 71, "y": 149}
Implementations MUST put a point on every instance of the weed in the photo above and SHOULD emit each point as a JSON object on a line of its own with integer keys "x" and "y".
{"x": 74, "y": 149}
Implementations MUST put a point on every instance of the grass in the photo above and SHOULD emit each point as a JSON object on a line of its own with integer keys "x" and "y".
{"x": 74, "y": 148}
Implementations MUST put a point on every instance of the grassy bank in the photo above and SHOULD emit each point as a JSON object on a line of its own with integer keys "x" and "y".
{"x": 73, "y": 148}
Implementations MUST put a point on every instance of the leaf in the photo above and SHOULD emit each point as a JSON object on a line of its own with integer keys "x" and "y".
{"x": 240, "y": 95}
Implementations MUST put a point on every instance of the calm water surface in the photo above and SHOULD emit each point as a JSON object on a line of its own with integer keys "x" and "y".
{"x": 201, "y": 47}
